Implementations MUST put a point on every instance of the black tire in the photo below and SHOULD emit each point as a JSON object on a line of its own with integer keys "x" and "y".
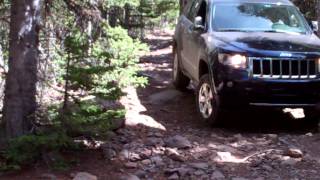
{"x": 213, "y": 118}
{"x": 180, "y": 81}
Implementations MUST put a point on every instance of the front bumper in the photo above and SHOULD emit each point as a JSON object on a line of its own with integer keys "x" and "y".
{"x": 238, "y": 89}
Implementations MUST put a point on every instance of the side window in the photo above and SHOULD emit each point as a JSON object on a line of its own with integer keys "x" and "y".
{"x": 187, "y": 6}
{"x": 193, "y": 8}
{"x": 202, "y": 12}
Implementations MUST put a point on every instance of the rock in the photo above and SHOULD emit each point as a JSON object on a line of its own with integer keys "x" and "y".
{"x": 260, "y": 178}
{"x": 145, "y": 153}
{"x": 141, "y": 174}
{"x": 239, "y": 137}
{"x": 146, "y": 162}
{"x": 155, "y": 134}
{"x": 131, "y": 165}
{"x": 84, "y": 176}
{"x": 181, "y": 171}
{"x": 171, "y": 171}
{"x": 294, "y": 153}
{"x": 48, "y": 176}
{"x": 123, "y": 140}
{"x": 290, "y": 161}
{"x": 203, "y": 166}
{"x": 309, "y": 134}
{"x": 174, "y": 177}
{"x": 273, "y": 136}
{"x": 239, "y": 178}
{"x": 217, "y": 175}
{"x": 157, "y": 160}
{"x": 199, "y": 173}
{"x": 174, "y": 155}
{"x": 134, "y": 157}
{"x": 178, "y": 142}
{"x": 129, "y": 177}
{"x": 227, "y": 157}
{"x": 151, "y": 141}
{"x": 108, "y": 151}
{"x": 267, "y": 168}
{"x": 124, "y": 155}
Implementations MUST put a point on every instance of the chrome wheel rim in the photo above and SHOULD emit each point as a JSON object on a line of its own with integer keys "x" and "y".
{"x": 175, "y": 66}
{"x": 205, "y": 100}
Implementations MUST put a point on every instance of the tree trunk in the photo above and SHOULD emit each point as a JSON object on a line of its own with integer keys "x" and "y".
{"x": 20, "y": 91}
{"x": 181, "y": 2}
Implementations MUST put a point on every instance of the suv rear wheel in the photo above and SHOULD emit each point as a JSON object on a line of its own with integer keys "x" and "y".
{"x": 208, "y": 101}
{"x": 180, "y": 81}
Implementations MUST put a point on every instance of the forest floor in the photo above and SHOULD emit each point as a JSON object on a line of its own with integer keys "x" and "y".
{"x": 164, "y": 139}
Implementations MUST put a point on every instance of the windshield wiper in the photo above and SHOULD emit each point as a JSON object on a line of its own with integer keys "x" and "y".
{"x": 234, "y": 30}
{"x": 278, "y": 31}
{"x": 272, "y": 31}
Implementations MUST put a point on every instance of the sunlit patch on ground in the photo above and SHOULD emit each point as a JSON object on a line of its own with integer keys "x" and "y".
{"x": 295, "y": 113}
{"x": 135, "y": 109}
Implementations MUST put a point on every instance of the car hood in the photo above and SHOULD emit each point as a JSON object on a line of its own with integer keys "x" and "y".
{"x": 272, "y": 44}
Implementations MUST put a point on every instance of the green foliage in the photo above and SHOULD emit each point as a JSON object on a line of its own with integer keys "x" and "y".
{"x": 28, "y": 149}
{"x": 104, "y": 67}
{"x": 308, "y": 8}
{"x": 123, "y": 2}
{"x": 160, "y": 10}
{"x": 91, "y": 119}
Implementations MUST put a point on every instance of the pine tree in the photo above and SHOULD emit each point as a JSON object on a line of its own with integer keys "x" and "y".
{"x": 20, "y": 91}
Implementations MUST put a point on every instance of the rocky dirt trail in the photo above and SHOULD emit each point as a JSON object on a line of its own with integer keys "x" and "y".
{"x": 164, "y": 139}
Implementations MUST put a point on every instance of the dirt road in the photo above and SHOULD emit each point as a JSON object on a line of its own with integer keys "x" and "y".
{"x": 164, "y": 138}
{"x": 256, "y": 144}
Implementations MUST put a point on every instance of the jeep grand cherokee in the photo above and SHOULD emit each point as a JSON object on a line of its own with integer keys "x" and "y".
{"x": 247, "y": 53}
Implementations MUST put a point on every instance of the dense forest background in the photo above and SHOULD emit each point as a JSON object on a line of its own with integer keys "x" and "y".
{"x": 64, "y": 65}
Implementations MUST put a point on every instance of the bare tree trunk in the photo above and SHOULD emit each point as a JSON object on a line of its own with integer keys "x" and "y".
{"x": 20, "y": 91}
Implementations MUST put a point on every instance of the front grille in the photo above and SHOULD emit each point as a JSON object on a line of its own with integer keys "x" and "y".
{"x": 278, "y": 68}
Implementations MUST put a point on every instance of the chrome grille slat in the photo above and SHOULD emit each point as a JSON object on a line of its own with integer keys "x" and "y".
{"x": 308, "y": 68}
{"x": 299, "y": 68}
{"x": 281, "y": 72}
{"x": 283, "y": 68}
{"x": 261, "y": 67}
{"x": 290, "y": 69}
{"x": 271, "y": 67}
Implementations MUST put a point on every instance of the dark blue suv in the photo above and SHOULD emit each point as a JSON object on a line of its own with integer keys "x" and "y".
{"x": 242, "y": 53}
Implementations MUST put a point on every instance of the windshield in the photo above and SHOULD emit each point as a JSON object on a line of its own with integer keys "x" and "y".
{"x": 258, "y": 17}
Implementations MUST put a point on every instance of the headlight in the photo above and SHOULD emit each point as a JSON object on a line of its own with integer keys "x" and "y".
{"x": 234, "y": 60}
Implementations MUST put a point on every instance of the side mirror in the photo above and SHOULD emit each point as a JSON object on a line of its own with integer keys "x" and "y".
{"x": 198, "y": 23}
{"x": 315, "y": 26}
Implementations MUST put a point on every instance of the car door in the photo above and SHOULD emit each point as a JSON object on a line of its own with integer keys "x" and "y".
{"x": 186, "y": 45}
{"x": 194, "y": 35}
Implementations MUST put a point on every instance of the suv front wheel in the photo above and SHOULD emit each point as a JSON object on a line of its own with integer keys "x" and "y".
{"x": 207, "y": 101}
